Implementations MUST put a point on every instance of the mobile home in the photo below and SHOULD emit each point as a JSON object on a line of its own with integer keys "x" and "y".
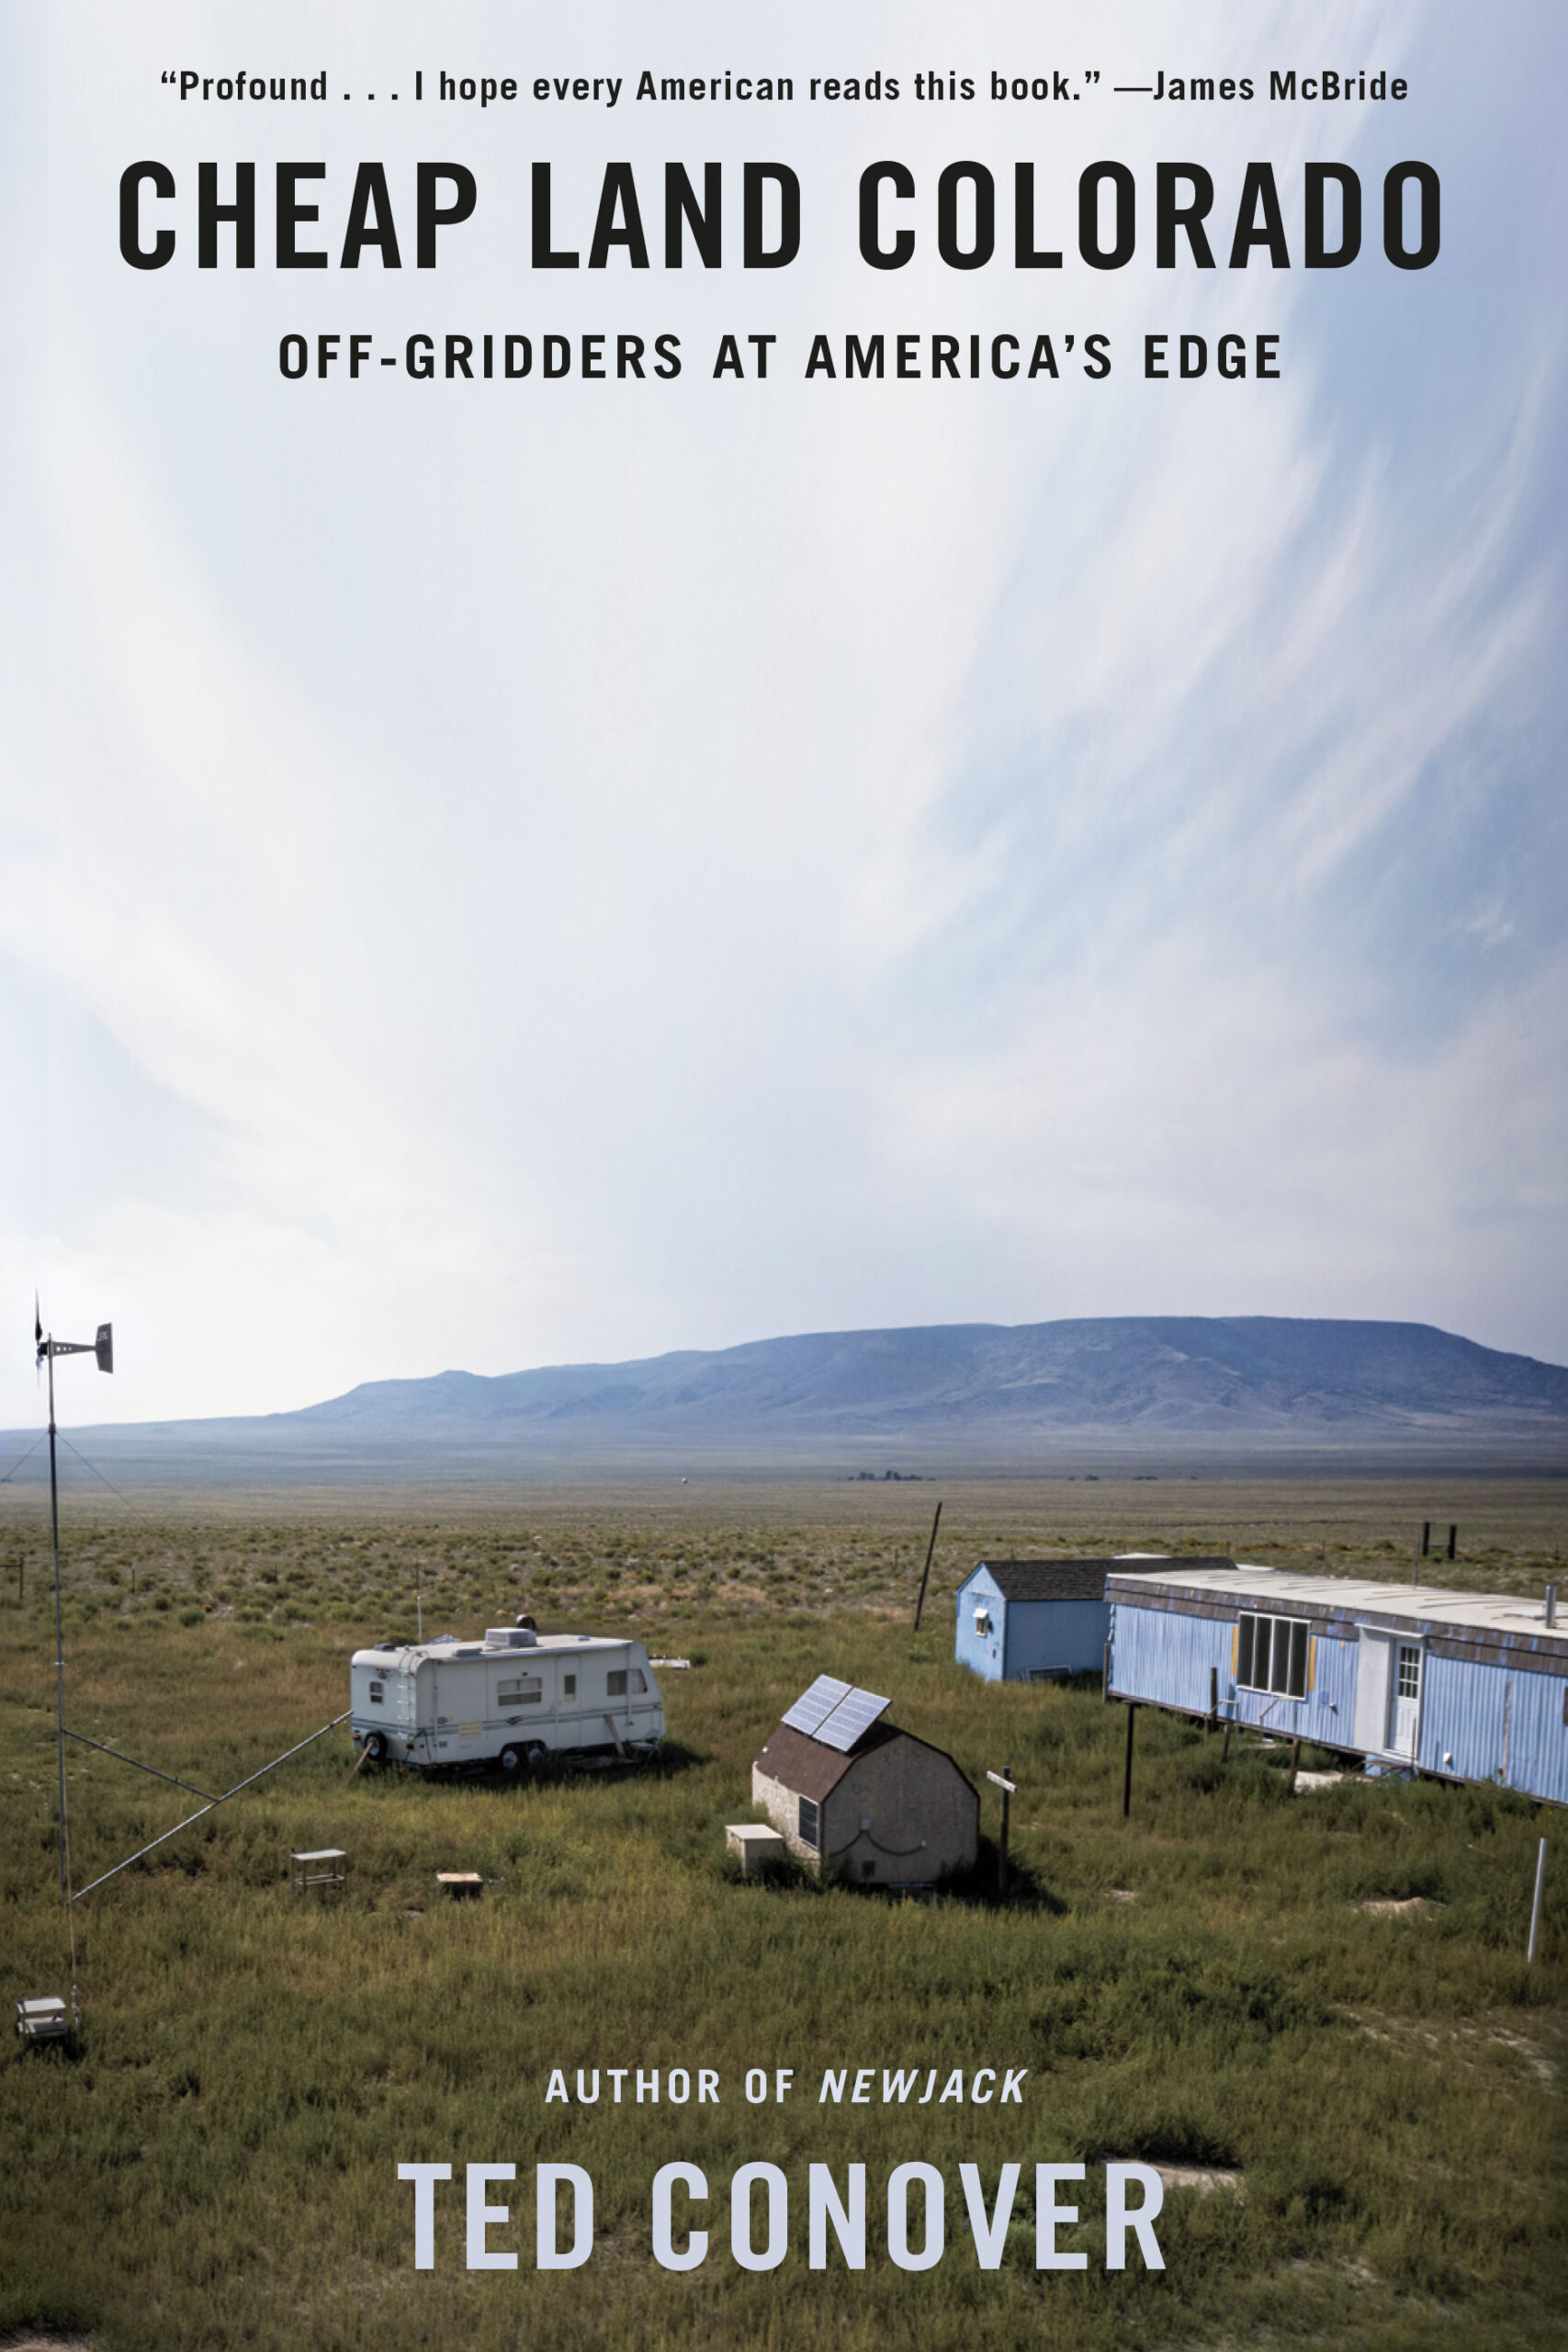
{"x": 513, "y": 1700}
{"x": 1465, "y": 1686}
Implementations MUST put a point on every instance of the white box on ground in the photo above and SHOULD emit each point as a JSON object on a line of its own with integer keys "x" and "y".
{"x": 756, "y": 1843}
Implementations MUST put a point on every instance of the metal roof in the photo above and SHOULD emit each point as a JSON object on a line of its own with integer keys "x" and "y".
{"x": 1349, "y": 1596}
{"x": 455, "y": 1645}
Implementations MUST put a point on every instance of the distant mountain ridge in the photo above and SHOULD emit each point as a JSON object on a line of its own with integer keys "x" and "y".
{"x": 1130, "y": 1376}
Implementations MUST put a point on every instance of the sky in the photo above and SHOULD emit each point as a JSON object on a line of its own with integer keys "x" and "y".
{"x": 500, "y": 874}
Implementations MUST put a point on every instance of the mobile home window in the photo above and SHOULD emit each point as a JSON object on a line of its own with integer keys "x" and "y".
{"x": 616, "y": 1682}
{"x": 1271, "y": 1655}
{"x": 810, "y": 1822}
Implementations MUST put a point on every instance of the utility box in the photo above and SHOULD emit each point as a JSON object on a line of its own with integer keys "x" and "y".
{"x": 755, "y": 1844}
{"x": 46, "y": 2020}
{"x": 513, "y": 1700}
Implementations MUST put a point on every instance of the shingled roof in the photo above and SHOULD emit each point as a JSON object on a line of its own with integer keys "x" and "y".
{"x": 809, "y": 1767}
{"x": 1079, "y": 1579}
{"x": 812, "y": 1771}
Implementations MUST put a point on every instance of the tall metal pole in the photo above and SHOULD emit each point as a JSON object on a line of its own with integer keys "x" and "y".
{"x": 1535, "y": 1906}
{"x": 59, "y": 1635}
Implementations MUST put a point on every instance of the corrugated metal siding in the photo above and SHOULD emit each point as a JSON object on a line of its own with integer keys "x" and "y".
{"x": 1165, "y": 1660}
{"x": 1332, "y": 1698}
{"x": 1478, "y": 1721}
{"x": 1496, "y": 1723}
{"x": 1538, "y": 1738}
{"x": 1462, "y": 1718}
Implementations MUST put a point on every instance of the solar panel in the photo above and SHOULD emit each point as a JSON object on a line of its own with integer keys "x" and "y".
{"x": 853, "y": 1715}
{"x": 815, "y": 1706}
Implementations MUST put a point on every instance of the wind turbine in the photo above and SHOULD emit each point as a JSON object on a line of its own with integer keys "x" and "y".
{"x": 48, "y": 1347}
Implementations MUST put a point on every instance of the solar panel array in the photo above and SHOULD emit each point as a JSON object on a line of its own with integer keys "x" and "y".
{"x": 835, "y": 1712}
{"x": 848, "y": 1719}
{"x": 814, "y": 1706}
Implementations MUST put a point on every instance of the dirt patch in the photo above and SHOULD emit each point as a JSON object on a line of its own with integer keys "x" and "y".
{"x": 1204, "y": 2178}
{"x": 1401, "y": 1908}
{"x": 1535, "y": 2058}
{"x": 1317, "y": 1781}
{"x": 1469, "y": 2041}
{"x": 32, "y": 2343}
{"x": 1121, "y": 1895}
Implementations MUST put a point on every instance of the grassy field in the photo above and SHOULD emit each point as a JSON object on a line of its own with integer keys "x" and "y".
{"x": 1378, "y": 2092}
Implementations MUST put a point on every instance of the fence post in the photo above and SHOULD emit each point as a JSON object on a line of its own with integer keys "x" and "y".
{"x": 1535, "y": 1907}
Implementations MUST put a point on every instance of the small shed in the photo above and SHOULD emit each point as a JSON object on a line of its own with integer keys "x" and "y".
{"x": 1466, "y": 1686}
{"x": 1038, "y": 1620}
{"x": 855, "y": 1797}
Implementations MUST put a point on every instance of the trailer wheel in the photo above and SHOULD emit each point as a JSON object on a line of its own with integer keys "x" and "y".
{"x": 538, "y": 1756}
{"x": 510, "y": 1760}
{"x": 375, "y": 1747}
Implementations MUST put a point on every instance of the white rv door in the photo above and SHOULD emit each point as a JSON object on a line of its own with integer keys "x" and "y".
{"x": 1404, "y": 1705}
{"x": 568, "y": 1699}
{"x": 1371, "y": 1691}
{"x": 459, "y": 1698}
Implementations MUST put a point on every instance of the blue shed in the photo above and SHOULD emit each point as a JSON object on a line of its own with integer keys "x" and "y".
{"x": 1466, "y": 1686}
{"x": 1035, "y": 1621}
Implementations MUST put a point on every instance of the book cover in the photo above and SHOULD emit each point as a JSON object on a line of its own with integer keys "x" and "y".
{"x": 681, "y": 675}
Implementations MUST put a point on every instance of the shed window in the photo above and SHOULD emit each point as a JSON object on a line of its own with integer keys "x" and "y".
{"x": 616, "y": 1683}
{"x": 526, "y": 1692}
{"x": 1271, "y": 1655}
{"x": 810, "y": 1823}
{"x": 982, "y": 1618}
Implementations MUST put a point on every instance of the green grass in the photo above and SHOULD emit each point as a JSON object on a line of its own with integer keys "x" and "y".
{"x": 215, "y": 2165}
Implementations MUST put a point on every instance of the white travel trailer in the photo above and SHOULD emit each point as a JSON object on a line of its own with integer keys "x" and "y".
{"x": 513, "y": 1700}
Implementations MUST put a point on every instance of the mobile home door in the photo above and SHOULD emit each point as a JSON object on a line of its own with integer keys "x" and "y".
{"x": 1405, "y": 1700}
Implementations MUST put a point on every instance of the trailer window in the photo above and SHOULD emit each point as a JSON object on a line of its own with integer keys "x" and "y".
{"x": 1271, "y": 1655}
{"x": 810, "y": 1822}
{"x": 568, "y": 1686}
{"x": 377, "y": 1692}
{"x": 639, "y": 1679}
{"x": 616, "y": 1682}
{"x": 526, "y": 1692}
